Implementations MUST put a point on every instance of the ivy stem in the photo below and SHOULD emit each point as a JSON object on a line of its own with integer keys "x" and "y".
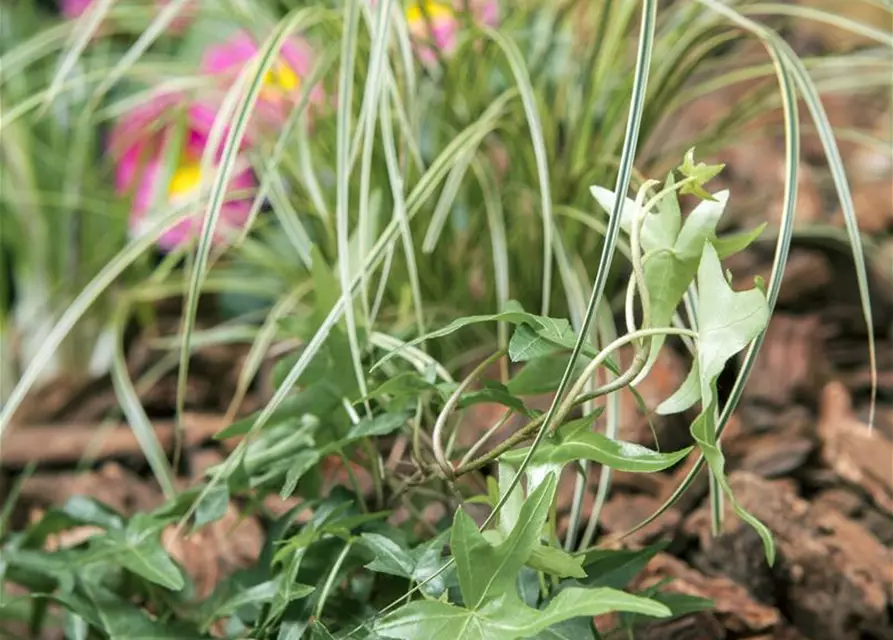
{"x": 530, "y": 428}
{"x": 451, "y": 403}
{"x": 635, "y": 242}
{"x": 484, "y": 438}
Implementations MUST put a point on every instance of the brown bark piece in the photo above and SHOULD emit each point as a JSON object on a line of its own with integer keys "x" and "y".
{"x": 665, "y": 377}
{"x": 735, "y": 609}
{"x": 216, "y": 550}
{"x": 68, "y": 443}
{"x": 859, "y": 456}
{"x": 623, "y": 511}
{"x": 120, "y": 489}
{"x": 832, "y": 576}
{"x": 833, "y": 37}
{"x": 791, "y": 363}
{"x": 776, "y": 455}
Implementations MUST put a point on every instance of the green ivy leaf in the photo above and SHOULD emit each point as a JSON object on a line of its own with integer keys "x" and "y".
{"x": 700, "y": 227}
{"x": 495, "y": 392}
{"x": 89, "y": 511}
{"x": 417, "y": 564}
{"x": 231, "y": 596}
{"x": 213, "y": 506}
{"x": 685, "y": 396}
{"x": 429, "y": 560}
{"x": 667, "y": 277}
{"x": 658, "y": 229}
{"x": 486, "y": 571}
{"x": 38, "y": 570}
{"x": 487, "y": 580}
{"x": 138, "y": 549}
{"x": 575, "y": 602}
{"x": 507, "y": 618}
{"x": 78, "y": 510}
{"x": 541, "y": 375}
{"x": 702, "y": 173}
{"x": 511, "y": 510}
{"x": 531, "y": 341}
{"x": 703, "y": 429}
{"x": 553, "y": 330}
{"x": 589, "y": 445}
{"x": 670, "y": 270}
{"x": 390, "y": 557}
{"x": 573, "y": 629}
{"x": 302, "y": 462}
{"x": 380, "y": 425}
{"x": 615, "y": 568}
{"x": 556, "y": 562}
{"x": 727, "y": 322}
{"x": 318, "y": 401}
{"x": 732, "y": 243}
{"x": 403, "y": 386}
{"x": 122, "y": 621}
{"x": 79, "y": 604}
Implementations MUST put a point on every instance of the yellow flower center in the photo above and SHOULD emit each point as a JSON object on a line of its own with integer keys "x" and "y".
{"x": 186, "y": 178}
{"x": 416, "y": 11}
{"x": 281, "y": 77}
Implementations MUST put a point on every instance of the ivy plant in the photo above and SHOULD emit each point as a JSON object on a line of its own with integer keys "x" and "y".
{"x": 363, "y": 555}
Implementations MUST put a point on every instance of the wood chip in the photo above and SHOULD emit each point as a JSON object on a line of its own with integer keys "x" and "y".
{"x": 858, "y": 455}
{"x": 216, "y": 550}
{"x": 112, "y": 484}
{"x": 791, "y": 364}
{"x": 735, "y": 609}
{"x": 68, "y": 443}
{"x": 834, "y": 579}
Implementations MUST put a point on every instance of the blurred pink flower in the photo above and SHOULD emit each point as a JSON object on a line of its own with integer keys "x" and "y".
{"x": 138, "y": 143}
{"x": 74, "y": 8}
{"x": 282, "y": 84}
{"x": 435, "y": 26}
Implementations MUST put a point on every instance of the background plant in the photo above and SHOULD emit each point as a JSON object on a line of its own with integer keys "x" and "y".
{"x": 368, "y": 235}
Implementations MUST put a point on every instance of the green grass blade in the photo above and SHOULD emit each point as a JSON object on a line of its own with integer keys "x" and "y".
{"x": 133, "y": 410}
{"x": 79, "y": 306}
{"x": 528, "y": 99}
{"x": 471, "y": 136}
{"x": 445, "y": 202}
{"x": 342, "y": 178}
{"x": 819, "y": 15}
{"x": 792, "y": 141}
{"x": 243, "y": 111}
{"x": 841, "y": 184}
{"x": 396, "y": 181}
{"x": 368, "y": 111}
{"x": 640, "y": 82}
{"x": 269, "y": 174}
{"x": 149, "y": 35}
{"x": 85, "y": 29}
{"x": 498, "y": 242}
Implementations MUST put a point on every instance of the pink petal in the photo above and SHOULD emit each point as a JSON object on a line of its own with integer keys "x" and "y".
{"x": 181, "y": 232}
{"x": 485, "y": 12}
{"x": 444, "y": 34}
{"x": 145, "y": 185}
{"x": 74, "y": 8}
{"x": 298, "y": 54}
{"x": 126, "y": 169}
{"x": 138, "y": 124}
{"x": 230, "y": 55}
